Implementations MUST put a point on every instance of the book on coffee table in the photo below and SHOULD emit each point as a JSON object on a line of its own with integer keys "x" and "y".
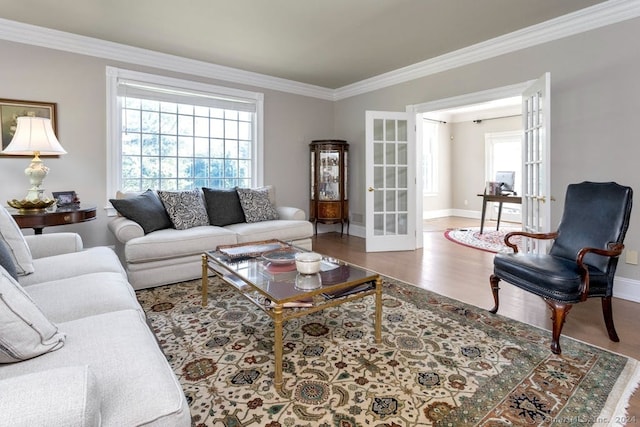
{"x": 250, "y": 250}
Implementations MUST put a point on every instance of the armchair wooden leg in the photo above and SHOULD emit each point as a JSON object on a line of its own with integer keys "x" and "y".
{"x": 558, "y": 315}
{"x": 607, "y": 312}
{"x": 494, "y": 289}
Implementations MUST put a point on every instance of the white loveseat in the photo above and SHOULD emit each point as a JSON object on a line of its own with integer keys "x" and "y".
{"x": 75, "y": 347}
{"x": 171, "y": 255}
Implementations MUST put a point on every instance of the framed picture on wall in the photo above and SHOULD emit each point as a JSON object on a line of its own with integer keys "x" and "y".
{"x": 11, "y": 109}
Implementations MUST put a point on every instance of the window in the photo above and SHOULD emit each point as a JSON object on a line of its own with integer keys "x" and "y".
{"x": 173, "y": 134}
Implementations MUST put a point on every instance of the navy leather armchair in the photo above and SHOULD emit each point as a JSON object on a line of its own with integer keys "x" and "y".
{"x": 582, "y": 260}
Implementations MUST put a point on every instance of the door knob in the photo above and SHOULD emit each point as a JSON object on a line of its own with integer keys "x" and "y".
{"x": 371, "y": 189}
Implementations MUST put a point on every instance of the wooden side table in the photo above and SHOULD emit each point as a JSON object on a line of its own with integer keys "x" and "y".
{"x": 50, "y": 218}
{"x": 496, "y": 198}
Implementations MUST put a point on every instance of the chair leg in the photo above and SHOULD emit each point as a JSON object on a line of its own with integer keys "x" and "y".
{"x": 607, "y": 312}
{"x": 494, "y": 289}
{"x": 558, "y": 315}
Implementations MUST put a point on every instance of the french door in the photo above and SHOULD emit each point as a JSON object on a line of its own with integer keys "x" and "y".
{"x": 391, "y": 181}
{"x": 536, "y": 184}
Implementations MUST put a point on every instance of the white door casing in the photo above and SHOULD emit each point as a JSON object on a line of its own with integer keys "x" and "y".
{"x": 391, "y": 181}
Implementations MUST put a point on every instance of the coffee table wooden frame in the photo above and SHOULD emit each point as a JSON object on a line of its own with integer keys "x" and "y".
{"x": 213, "y": 263}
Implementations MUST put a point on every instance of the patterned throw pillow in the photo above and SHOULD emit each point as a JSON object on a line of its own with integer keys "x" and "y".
{"x": 25, "y": 332}
{"x": 256, "y": 204}
{"x": 186, "y": 209}
{"x": 146, "y": 209}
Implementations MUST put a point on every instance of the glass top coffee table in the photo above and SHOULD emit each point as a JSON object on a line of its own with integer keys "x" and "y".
{"x": 265, "y": 273}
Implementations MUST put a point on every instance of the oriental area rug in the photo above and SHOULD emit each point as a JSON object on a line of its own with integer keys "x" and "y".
{"x": 490, "y": 240}
{"x": 441, "y": 363}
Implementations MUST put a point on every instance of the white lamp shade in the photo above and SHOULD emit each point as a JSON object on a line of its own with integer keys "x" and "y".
{"x": 34, "y": 134}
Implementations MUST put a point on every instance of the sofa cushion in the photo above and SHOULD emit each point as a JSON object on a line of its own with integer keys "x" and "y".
{"x": 137, "y": 385}
{"x": 285, "y": 230}
{"x": 185, "y": 208}
{"x": 6, "y": 260}
{"x": 146, "y": 209}
{"x": 10, "y": 233}
{"x": 223, "y": 206}
{"x": 82, "y": 296}
{"x": 172, "y": 243}
{"x": 64, "y": 266}
{"x": 37, "y": 399}
{"x": 24, "y": 331}
{"x": 256, "y": 204}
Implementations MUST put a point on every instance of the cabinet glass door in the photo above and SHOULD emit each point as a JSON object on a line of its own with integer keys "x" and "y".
{"x": 329, "y": 179}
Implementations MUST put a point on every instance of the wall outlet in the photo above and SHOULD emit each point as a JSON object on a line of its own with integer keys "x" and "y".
{"x": 631, "y": 257}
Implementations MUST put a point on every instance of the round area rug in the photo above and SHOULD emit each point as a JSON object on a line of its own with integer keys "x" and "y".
{"x": 490, "y": 240}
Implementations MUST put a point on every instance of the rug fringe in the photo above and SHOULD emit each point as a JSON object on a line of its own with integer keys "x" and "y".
{"x": 614, "y": 412}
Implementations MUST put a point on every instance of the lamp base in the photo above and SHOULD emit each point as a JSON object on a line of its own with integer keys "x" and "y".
{"x": 31, "y": 205}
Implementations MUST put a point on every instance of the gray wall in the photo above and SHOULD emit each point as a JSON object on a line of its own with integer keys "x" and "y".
{"x": 77, "y": 84}
{"x": 468, "y": 159}
{"x": 595, "y": 98}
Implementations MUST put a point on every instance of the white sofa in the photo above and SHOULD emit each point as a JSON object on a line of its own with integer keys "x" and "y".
{"x": 106, "y": 367}
{"x": 170, "y": 255}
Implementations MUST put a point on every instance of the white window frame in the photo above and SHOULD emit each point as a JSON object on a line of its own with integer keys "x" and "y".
{"x": 114, "y": 121}
{"x": 431, "y": 159}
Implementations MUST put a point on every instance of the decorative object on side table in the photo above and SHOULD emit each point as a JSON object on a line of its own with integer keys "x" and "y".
{"x": 34, "y": 136}
{"x": 66, "y": 199}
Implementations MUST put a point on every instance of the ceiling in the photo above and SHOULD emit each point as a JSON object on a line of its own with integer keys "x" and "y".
{"x": 328, "y": 43}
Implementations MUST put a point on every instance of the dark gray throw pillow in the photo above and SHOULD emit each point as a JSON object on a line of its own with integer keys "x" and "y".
{"x": 6, "y": 260}
{"x": 223, "y": 206}
{"x": 145, "y": 209}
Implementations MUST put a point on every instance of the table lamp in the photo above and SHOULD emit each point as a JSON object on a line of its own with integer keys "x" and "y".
{"x": 34, "y": 136}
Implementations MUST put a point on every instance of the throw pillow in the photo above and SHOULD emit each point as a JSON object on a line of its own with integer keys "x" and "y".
{"x": 185, "y": 208}
{"x": 146, "y": 209}
{"x": 6, "y": 260}
{"x": 11, "y": 235}
{"x": 223, "y": 206}
{"x": 25, "y": 332}
{"x": 256, "y": 205}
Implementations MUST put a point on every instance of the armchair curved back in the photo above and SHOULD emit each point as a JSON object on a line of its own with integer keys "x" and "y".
{"x": 595, "y": 214}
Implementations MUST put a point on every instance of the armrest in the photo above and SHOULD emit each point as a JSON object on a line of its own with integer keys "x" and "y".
{"x": 30, "y": 399}
{"x": 44, "y": 245}
{"x": 613, "y": 250}
{"x": 287, "y": 212}
{"x": 125, "y": 229}
{"x": 539, "y": 236}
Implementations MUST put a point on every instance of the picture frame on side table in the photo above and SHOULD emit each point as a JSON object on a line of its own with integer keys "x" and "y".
{"x": 66, "y": 199}
{"x": 11, "y": 109}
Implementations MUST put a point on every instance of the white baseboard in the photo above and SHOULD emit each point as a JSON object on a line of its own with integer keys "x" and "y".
{"x": 625, "y": 288}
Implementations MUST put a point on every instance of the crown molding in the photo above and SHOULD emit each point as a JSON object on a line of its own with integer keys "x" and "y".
{"x": 602, "y": 14}
{"x": 60, "y": 40}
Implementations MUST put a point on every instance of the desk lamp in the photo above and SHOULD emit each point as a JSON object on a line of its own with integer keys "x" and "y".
{"x": 34, "y": 136}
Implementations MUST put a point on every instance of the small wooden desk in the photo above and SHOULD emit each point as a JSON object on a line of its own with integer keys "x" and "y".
{"x": 496, "y": 198}
{"x": 49, "y": 218}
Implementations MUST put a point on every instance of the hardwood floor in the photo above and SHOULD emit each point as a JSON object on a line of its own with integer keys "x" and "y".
{"x": 463, "y": 273}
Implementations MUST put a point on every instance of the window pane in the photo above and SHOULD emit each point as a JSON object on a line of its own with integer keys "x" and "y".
{"x": 175, "y": 146}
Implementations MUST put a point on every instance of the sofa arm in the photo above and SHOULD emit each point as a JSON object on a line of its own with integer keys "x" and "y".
{"x": 125, "y": 229}
{"x": 287, "y": 212}
{"x": 38, "y": 399}
{"x": 44, "y": 245}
